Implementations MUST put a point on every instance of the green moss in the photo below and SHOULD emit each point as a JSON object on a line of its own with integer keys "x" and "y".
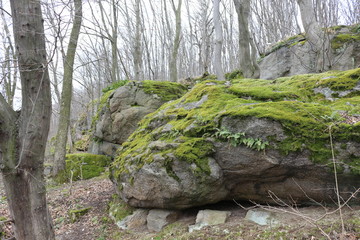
{"x": 205, "y": 77}
{"x": 233, "y": 75}
{"x": 165, "y": 90}
{"x": 118, "y": 210}
{"x": 83, "y": 143}
{"x": 102, "y": 102}
{"x": 195, "y": 150}
{"x": 289, "y": 42}
{"x": 192, "y": 119}
{"x": 75, "y": 214}
{"x": 115, "y": 85}
{"x": 341, "y": 39}
{"x": 81, "y": 166}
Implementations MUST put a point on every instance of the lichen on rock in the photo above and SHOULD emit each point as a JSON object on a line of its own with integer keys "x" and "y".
{"x": 175, "y": 159}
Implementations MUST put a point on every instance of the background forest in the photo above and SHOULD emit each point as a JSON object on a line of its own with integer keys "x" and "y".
{"x": 61, "y": 59}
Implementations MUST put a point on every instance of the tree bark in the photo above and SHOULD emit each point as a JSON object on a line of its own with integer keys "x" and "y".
{"x": 23, "y": 138}
{"x": 66, "y": 94}
{"x": 248, "y": 64}
{"x": 218, "y": 41}
{"x": 176, "y": 45}
{"x": 319, "y": 42}
{"x": 137, "y": 45}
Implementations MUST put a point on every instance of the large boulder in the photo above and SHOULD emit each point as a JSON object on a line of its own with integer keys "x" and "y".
{"x": 259, "y": 140}
{"x": 124, "y": 107}
{"x": 293, "y": 56}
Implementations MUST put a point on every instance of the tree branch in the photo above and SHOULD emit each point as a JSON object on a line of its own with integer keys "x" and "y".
{"x": 7, "y": 114}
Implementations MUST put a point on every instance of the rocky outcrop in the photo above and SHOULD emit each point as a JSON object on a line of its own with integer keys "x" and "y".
{"x": 293, "y": 56}
{"x": 124, "y": 107}
{"x": 247, "y": 140}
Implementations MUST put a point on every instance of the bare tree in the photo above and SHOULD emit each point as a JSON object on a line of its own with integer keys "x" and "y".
{"x": 350, "y": 11}
{"x": 248, "y": 64}
{"x": 176, "y": 44}
{"x": 318, "y": 39}
{"x": 23, "y": 137}
{"x": 9, "y": 63}
{"x": 66, "y": 94}
{"x": 218, "y": 41}
{"x": 137, "y": 45}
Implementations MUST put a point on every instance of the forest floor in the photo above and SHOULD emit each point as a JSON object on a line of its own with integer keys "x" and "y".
{"x": 95, "y": 224}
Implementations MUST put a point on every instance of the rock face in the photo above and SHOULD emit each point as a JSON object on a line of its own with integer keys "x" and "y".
{"x": 292, "y": 56}
{"x": 254, "y": 140}
{"x": 125, "y": 107}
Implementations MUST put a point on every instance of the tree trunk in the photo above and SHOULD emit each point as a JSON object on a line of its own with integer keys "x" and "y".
{"x": 66, "y": 94}
{"x": 115, "y": 75}
{"x": 319, "y": 42}
{"x": 218, "y": 42}
{"x": 248, "y": 65}
{"x": 137, "y": 44}
{"x": 23, "y": 138}
{"x": 176, "y": 45}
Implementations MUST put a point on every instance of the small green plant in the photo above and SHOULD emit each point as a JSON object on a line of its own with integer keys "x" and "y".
{"x": 235, "y": 139}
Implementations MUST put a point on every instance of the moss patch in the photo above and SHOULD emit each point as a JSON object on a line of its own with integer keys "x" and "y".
{"x": 118, "y": 210}
{"x": 83, "y": 143}
{"x": 340, "y": 40}
{"x": 182, "y": 127}
{"x": 75, "y": 214}
{"x": 165, "y": 90}
{"x": 81, "y": 166}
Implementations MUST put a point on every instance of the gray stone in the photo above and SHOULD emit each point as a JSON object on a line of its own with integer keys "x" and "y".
{"x": 157, "y": 219}
{"x": 126, "y": 107}
{"x": 294, "y": 60}
{"x": 134, "y": 221}
{"x": 262, "y": 217}
{"x": 209, "y": 217}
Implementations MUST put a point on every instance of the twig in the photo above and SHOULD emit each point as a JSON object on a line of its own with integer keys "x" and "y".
{"x": 336, "y": 181}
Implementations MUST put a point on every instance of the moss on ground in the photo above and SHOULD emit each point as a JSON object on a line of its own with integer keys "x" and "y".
{"x": 305, "y": 117}
{"x": 80, "y": 166}
{"x": 75, "y": 214}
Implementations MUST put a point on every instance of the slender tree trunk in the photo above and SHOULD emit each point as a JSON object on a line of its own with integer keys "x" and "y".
{"x": 137, "y": 46}
{"x": 248, "y": 66}
{"x": 66, "y": 94}
{"x": 218, "y": 41}
{"x": 115, "y": 75}
{"x": 176, "y": 45}
{"x": 23, "y": 138}
{"x": 9, "y": 66}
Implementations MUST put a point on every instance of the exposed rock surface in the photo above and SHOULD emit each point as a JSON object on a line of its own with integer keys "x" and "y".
{"x": 292, "y": 56}
{"x": 157, "y": 219}
{"x": 125, "y": 107}
{"x": 208, "y": 218}
{"x": 137, "y": 220}
{"x": 262, "y": 217}
{"x": 244, "y": 141}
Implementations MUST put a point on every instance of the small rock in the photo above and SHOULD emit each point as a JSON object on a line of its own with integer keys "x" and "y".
{"x": 209, "y": 217}
{"x": 135, "y": 220}
{"x": 157, "y": 219}
{"x": 261, "y": 217}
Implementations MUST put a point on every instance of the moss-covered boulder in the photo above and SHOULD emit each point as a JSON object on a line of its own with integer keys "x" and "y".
{"x": 293, "y": 55}
{"x": 80, "y": 166}
{"x": 124, "y": 107}
{"x": 244, "y": 140}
